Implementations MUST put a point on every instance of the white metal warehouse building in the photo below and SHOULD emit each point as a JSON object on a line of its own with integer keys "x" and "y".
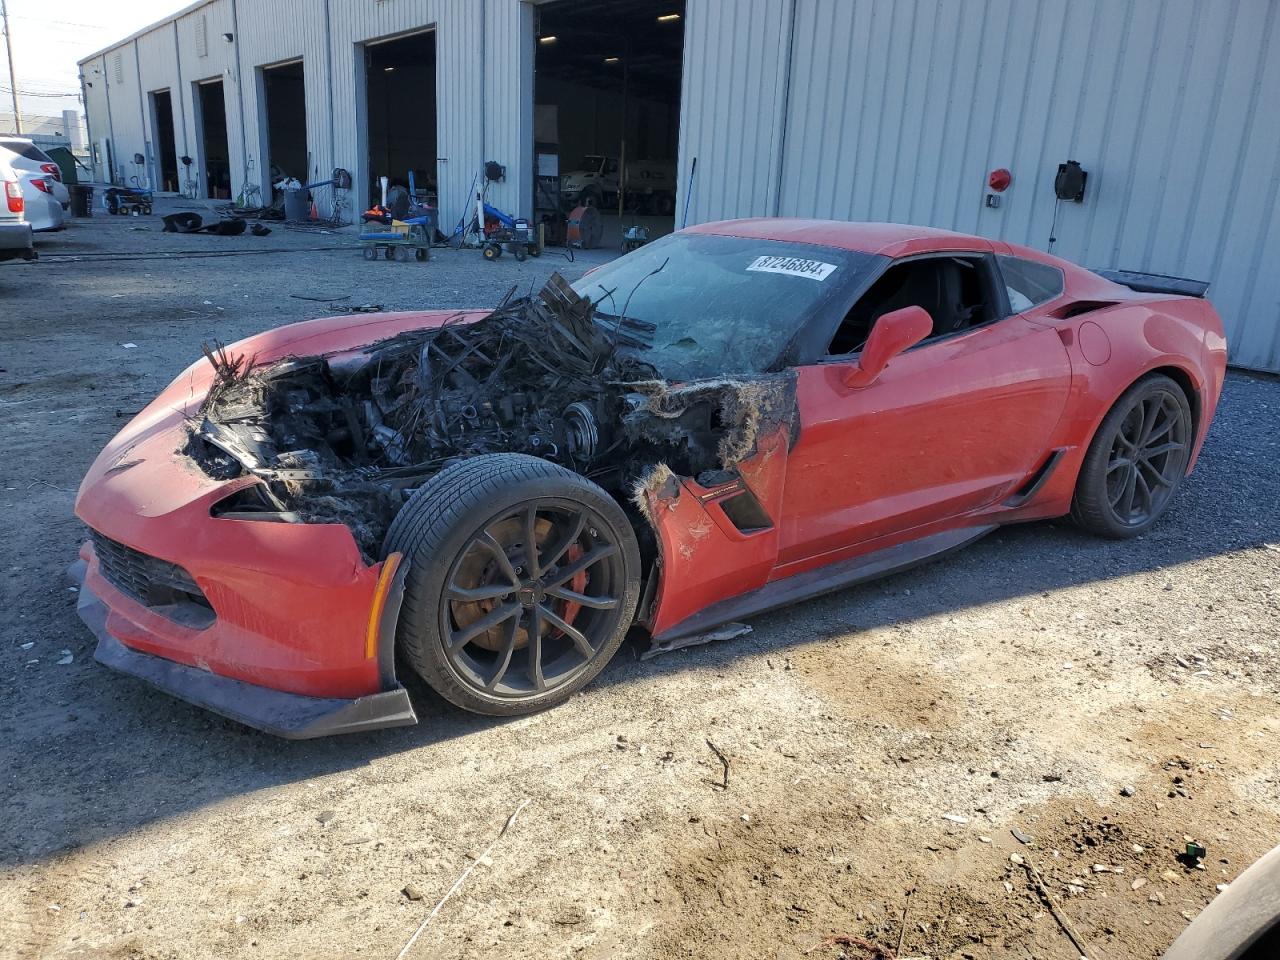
{"x": 852, "y": 109}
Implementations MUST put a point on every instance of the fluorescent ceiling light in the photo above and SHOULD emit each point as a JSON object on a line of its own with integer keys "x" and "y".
{"x": 550, "y": 39}
{"x": 669, "y": 18}
{"x": 610, "y": 59}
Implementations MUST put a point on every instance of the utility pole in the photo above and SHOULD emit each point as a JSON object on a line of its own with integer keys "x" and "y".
{"x": 13, "y": 77}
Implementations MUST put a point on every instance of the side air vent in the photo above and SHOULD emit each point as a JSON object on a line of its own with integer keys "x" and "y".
{"x": 745, "y": 512}
{"x": 1077, "y": 307}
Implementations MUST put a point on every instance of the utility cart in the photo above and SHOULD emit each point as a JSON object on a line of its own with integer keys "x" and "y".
{"x": 127, "y": 201}
{"x": 412, "y": 242}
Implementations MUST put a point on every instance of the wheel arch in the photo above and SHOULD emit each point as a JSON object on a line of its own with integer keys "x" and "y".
{"x": 1194, "y": 400}
{"x": 1179, "y": 375}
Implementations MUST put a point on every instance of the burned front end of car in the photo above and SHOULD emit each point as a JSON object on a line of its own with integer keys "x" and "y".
{"x": 346, "y": 438}
{"x": 238, "y": 556}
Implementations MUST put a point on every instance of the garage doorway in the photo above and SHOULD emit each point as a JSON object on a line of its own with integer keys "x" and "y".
{"x": 607, "y": 111}
{"x": 400, "y": 115}
{"x": 284, "y": 123}
{"x": 162, "y": 125}
{"x": 215, "y": 149}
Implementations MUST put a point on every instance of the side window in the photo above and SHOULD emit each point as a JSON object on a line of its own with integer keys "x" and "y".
{"x": 611, "y": 167}
{"x": 954, "y": 290}
{"x": 1029, "y": 283}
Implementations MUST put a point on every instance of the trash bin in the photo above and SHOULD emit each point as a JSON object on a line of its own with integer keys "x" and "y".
{"x": 297, "y": 205}
{"x": 81, "y": 200}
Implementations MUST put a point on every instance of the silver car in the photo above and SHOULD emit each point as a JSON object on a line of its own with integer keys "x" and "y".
{"x": 15, "y": 232}
{"x": 44, "y": 211}
{"x": 25, "y": 157}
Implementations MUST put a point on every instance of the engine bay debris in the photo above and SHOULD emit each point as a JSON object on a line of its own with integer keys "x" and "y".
{"x": 346, "y": 437}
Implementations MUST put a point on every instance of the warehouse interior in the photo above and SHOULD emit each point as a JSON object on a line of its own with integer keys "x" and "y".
{"x": 285, "y": 119}
{"x": 400, "y": 83}
{"x": 165, "y": 146}
{"x": 607, "y": 87}
{"x": 215, "y": 149}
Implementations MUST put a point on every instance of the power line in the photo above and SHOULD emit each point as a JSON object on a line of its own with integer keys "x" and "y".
{"x": 40, "y": 93}
{"x": 59, "y": 23}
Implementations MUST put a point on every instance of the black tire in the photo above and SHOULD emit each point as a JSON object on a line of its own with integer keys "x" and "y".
{"x": 371, "y": 253}
{"x": 393, "y": 254}
{"x": 492, "y": 251}
{"x": 521, "y": 254}
{"x": 535, "y": 250}
{"x": 463, "y": 532}
{"x": 1136, "y": 461}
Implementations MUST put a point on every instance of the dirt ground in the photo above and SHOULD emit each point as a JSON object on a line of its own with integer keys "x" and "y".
{"x": 1106, "y": 700}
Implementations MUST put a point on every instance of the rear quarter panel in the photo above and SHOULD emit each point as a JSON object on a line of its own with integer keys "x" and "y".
{"x": 1114, "y": 347}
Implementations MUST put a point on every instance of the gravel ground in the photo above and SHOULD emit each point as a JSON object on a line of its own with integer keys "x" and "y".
{"x": 883, "y": 742}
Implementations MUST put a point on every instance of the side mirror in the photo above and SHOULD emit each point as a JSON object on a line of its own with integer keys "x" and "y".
{"x": 891, "y": 334}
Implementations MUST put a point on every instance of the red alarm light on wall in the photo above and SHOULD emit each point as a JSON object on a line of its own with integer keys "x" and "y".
{"x": 999, "y": 180}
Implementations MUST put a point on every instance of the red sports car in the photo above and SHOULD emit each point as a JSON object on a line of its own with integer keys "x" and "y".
{"x": 735, "y": 417}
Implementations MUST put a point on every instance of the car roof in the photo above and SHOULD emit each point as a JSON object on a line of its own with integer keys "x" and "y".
{"x": 888, "y": 239}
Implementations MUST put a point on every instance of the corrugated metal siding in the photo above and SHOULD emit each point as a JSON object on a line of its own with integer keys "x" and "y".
{"x": 212, "y": 21}
{"x": 484, "y": 70}
{"x": 731, "y": 112}
{"x": 474, "y": 90}
{"x": 897, "y": 111}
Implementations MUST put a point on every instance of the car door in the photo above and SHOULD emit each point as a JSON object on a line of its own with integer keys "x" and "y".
{"x": 952, "y": 425}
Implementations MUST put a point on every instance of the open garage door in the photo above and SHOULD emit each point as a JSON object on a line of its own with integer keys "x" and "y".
{"x": 400, "y": 84}
{"x": 285, "y": 122}
{"x": 607, "y": 113}
{"x": 166, "y": 145}
{"x": 215, "y": 150}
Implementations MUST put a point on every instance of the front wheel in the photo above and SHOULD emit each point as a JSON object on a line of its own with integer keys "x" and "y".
{"x": 523, "y": 580}
{"x": 1136, "y": 461}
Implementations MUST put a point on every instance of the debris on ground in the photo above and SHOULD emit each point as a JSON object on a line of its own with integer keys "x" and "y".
{"x": 1193, "y": 854}
{"x": 483, "y": 858}
{"x": 724, "y": 761}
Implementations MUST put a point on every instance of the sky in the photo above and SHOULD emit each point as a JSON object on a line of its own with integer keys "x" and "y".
{"x": 48, "y": 39}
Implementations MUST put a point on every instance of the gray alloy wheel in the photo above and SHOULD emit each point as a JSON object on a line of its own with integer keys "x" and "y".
{"x": 1136, "y": 461}
{"x": 523, "y": 581}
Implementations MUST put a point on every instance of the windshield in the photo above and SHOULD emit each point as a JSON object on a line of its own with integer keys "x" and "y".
{"x": 711, "y": 305}
{"x": 591, "y": 164}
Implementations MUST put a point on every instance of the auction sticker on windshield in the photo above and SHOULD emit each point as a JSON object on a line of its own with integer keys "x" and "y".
{"x": 793, "y": 266}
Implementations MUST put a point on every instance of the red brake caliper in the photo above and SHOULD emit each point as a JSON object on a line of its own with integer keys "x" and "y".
{"x": 577, "y": 584}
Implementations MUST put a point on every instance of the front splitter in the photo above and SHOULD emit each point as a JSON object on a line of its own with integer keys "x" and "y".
{"x": 289, "y": 715}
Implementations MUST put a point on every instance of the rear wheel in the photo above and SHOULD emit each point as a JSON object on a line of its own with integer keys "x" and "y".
{"x": 523, "y": 580}
{"x": 1136, "y": 461}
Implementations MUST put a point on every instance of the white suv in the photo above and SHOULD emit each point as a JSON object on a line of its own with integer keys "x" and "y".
{"x": 15, "y": 232}
{"x": 25, "y": 157}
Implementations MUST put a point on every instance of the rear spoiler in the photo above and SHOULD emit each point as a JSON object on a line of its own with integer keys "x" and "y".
{"x": 1156, "y": 282}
